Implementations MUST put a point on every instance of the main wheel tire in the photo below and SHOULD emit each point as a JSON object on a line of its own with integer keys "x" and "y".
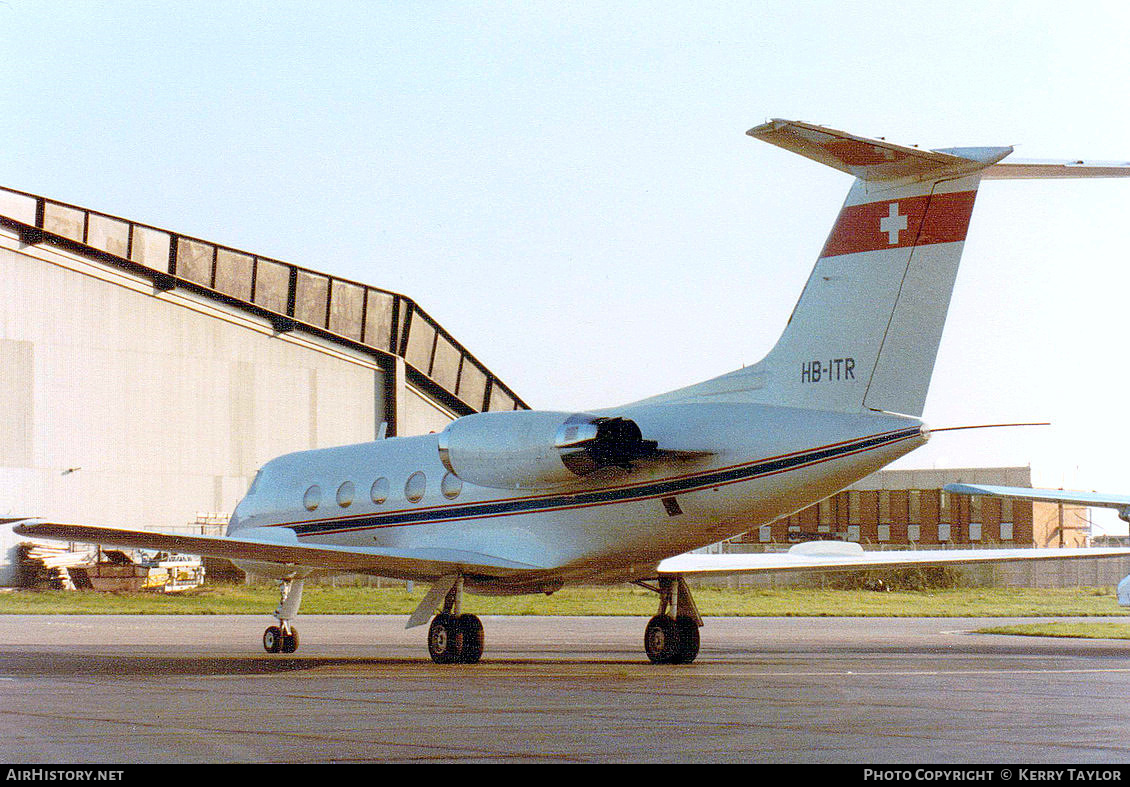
{"x": 272, "y": 639}
{"x": 472, "y": 630}
{"x": 290, "y": 641}
{"x": 445, "y": 639}
{"x": 661, "y": 640}
{"x": 687, "y": 629}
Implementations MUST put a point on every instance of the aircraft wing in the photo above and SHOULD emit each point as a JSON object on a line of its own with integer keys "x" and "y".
{"x": 849, "y": 556}
{"x": 1099, "y": 499}
{"x": 419, "y": 563}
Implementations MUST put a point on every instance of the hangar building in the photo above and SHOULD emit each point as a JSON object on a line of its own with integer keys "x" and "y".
{"x": 146, "y": 375}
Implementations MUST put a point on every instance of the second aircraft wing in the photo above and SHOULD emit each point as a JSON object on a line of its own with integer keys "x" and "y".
{"x": 850, "y": 556}
{"x": 1099, "y": 499}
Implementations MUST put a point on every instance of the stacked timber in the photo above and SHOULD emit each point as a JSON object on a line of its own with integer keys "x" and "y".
{"x": 46, "y": 564}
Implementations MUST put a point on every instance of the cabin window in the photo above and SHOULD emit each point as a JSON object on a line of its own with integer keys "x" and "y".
{"x": 312, "y": 497}
{"x": 345, "y": 494}
{"x": 379, "y": 490}
{"x": 451, "y": 486}
{"x": 415, "y": 487}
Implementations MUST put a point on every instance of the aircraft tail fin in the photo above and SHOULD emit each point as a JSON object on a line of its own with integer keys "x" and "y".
{"x": 865, "y": 332}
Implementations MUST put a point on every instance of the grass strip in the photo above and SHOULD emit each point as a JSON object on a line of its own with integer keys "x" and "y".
{"x": 1082, "y": 630}
{"x": 618, "y": 600}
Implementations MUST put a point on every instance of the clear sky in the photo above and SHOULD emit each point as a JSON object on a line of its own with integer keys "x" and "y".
{"x": 567, "y": 187}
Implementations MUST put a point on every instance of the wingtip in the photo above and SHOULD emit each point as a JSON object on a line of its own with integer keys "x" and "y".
{"x": 773, "y": 124}
{"x": 20, "y": 525}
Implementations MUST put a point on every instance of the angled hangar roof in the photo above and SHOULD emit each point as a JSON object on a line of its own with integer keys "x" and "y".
{"x": 380, "y": 322}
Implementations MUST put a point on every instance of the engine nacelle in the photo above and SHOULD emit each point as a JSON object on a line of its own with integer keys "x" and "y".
{"x": 535, "y": 449}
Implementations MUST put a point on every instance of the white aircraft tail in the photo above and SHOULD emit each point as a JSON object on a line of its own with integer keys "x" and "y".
{"x": 865, "y": 332}
{"x": 866, "y": 329}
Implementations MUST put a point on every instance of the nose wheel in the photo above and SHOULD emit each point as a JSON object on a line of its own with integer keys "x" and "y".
{"x": 283, "y": 638}
{"x": 278, "y": 640}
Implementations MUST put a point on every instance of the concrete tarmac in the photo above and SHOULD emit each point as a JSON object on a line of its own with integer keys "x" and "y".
{"x": 165, "y": 689}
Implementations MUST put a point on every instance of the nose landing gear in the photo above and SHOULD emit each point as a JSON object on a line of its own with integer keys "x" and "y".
{"x": 283, "y": 638}
{"x": 280, "y": 639}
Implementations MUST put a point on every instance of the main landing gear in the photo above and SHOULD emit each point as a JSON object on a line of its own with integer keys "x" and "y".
{"x": 455, "y": 638}
{"x": 671, "y": 637}
{"x": 283, "y": 638}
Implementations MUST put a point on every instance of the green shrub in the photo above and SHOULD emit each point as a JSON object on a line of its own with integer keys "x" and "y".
{"x": 915, "y": 578}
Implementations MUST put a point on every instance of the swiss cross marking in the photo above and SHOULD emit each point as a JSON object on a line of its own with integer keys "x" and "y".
{"x": 892, "y": 224}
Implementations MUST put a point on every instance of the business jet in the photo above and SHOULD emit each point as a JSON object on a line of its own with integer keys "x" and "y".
{"x": 524, "y": 502}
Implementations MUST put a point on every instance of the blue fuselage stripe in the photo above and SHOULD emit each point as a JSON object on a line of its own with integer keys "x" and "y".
{"x": 660, "y": 488}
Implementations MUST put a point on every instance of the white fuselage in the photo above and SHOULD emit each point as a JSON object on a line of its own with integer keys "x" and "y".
{"x": 751, "y": 464}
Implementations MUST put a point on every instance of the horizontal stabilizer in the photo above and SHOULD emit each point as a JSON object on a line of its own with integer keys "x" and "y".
{"x": 847, "y": 556}
{"x": 873, "y": 160}
{"x": 1032, "y": 169}
{"x": 417, "y": 563}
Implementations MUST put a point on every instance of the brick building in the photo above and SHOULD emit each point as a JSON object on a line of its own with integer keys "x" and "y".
{"x": 908, "y": 508}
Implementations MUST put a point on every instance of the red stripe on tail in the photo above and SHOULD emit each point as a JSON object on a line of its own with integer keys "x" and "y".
{"x": 899, "y": 223}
